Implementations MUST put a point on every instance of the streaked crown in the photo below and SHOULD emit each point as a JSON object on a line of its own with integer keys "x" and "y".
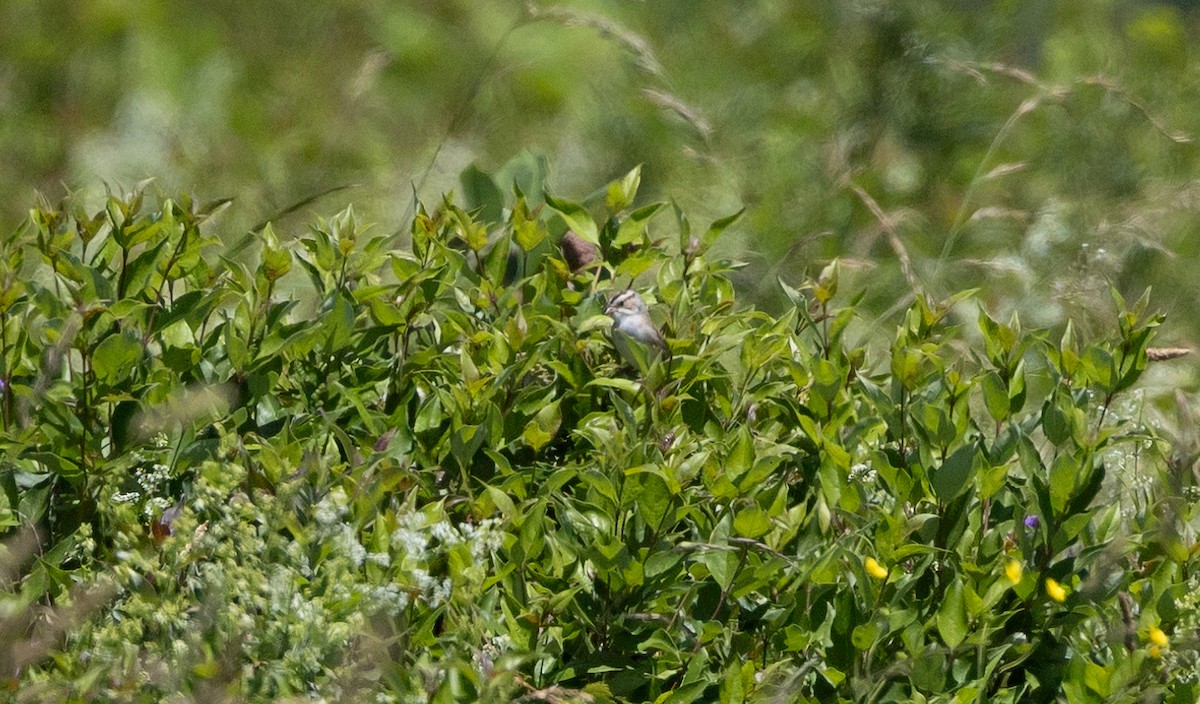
{"x": 627, "y": 302}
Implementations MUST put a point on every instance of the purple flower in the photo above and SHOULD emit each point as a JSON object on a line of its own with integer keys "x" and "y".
{"x": 1032, "y": 522}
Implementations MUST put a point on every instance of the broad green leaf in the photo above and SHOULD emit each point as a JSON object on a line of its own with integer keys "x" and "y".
{"x": 719, "y": 226}
{"x": 529, "y": 234}
{"x": 722, "y": 565}
{"x": 954, "y": 474}
{"x": 995, "y": 396}
{"x": 1063, "y": 476}
{"x": 1055, "y": 420}
{"x": 685, "y": 694}
{"x": 337, "y": 324}
{"x": 481, "y": 194}
{"x": 535, "y": 436}
{"x": 633, "y": 228}
{"x": 1097, "y": 364}
{"x": 576, "y": 217}
{"x": 526, "y": 174}
{"x": 752, "y": 522}
{"x": 864, "y": 635}
{"x": 116, "y": 356}
{"x": 827, "y": 381}
{"x": 952, "y": 615}
{"x": 660, "y": 562}
{"x": 1016, "y": 388}
{"x": 137, "y": 275}
{"x": 1097, "y": 678}
{"x": 733, "y": 689}
{"x": 647, "y": 494}
{"x": 741, "y": 456}
{"x": 621, "y": 193}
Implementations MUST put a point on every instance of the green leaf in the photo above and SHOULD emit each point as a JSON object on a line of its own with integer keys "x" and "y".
{"x": 1063, "y": 475}
{"x": 528, "y": 234}
{"x": 719, "y": 226}
{"x": 995, "y": 396}
{"x": 1016, "y": 388}
{"x": 648, "y": 495}
{"x": 733, "y": 688}
{"x": 116, "y": 356}
{"x": 633, "y": 228}
{"x": 1098, "y": 366}
{"x": 535, "y": 437}
{"x": 338, "y": 322}
{"x": 276, "y": 260}
{"x": 500, "y": 500}
{"x": 1097, "y": 678}
{"x": 954, "y": 474}
{"x": 531, "y": 538}
{"x": 502, "y": 263}
{"x": 524, "y": 173}
{"x": 621, "y": 193}
{"x": 481, "y": 194}
{"x": 1056, "y": 421}
{"x": 685, "y": 694}
{"x": 627, "y": 385}
{"x": 952, "y": 615}
{"x": 741, "y": 456}
{"x": 864, "y": 634}
{"x": 752, "y": 522}
{"x": 139, "y": 271}
{"x": 660, "y": 562}
{"x": 576, "y": 217}
{"x": 721, "y": 564}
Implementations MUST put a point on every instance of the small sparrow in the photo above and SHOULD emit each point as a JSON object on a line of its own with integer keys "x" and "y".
{"x": 634, "y": 333}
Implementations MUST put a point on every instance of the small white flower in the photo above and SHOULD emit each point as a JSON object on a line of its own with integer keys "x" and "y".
{"x": 445, "y": 532}
{"x": 332, "y": 507}
{"x": 349, "y": 542}
{"x": 413, "y": 544}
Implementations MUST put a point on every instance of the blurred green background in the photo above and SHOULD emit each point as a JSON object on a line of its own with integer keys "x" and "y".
{"x": 1038, "y": 150}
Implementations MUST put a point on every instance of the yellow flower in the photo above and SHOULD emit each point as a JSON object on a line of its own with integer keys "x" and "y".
{"x": 1055, "y": 590}
{"x": 1155, "y": 652}
{"x": 1013, "y": 570}
{"x": 1157, "y": 637}
{"x": 875, "y": 569}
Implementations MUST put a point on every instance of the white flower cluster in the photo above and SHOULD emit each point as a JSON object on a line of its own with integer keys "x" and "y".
{"x": 332, "y": 508}
{"x": 1183, "y": 663}
{"x": 424, "y": 537}
{"x": 388, "y": 598}
{"x": 863, "y": 473}
{"x": 150, "y": 480}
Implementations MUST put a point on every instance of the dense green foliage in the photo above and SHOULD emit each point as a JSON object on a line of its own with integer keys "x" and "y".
{"x": 1037, "y": 150}
{"x": 324, "y": 466}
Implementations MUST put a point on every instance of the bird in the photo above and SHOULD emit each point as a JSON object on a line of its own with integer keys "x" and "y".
{"x": 634, "y": 334}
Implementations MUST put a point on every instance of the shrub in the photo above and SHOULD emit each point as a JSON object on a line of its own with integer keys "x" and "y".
{"x": 425, "y": 475}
